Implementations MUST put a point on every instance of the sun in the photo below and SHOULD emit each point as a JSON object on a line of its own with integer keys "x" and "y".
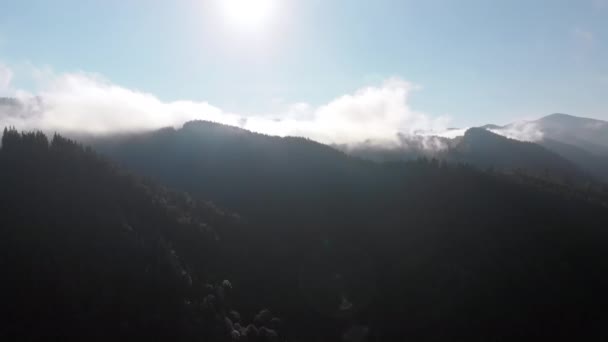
{"x": 248, "y": 15}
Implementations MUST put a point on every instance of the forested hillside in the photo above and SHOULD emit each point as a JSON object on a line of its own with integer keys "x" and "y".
{"x": 422, "y": 249}
{"x": 90, "y": 252}
{"x": 484, "y": 149}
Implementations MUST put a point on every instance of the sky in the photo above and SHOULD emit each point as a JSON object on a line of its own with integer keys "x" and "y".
{"x": 334, "y": 70}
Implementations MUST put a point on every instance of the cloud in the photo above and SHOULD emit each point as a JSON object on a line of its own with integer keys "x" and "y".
{"x": 376, "y": 113}
{"x": 88, "y": 103}
{"x": 6, "y": 76}
{"x": 583, "y": 36}
{"x": 584, "y": 40}
{"x": 523, "y": 131}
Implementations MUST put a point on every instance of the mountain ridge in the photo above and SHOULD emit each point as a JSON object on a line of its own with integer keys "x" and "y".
{"x": 327, "y": 240}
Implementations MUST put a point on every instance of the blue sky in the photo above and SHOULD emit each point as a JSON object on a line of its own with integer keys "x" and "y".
{"x": 473, "y": 61}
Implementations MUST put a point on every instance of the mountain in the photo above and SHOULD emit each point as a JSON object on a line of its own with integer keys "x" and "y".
{"x": 481, "y": 148}
{"x": 565, "y": 146}
{"x": 491, "y": 126}
{"x": 233, "y": 166}
{"x": 9, "y": 102}
{"x": 587, "y": 134}
{"x": 418, "y": 250}
{"x": 580, "y": 140}
{"x": 596, "y": 165}
{"x": 91, "y": 252}
{"x": 485, "y": 149}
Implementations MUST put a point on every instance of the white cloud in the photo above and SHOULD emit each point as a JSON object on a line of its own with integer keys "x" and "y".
{"x": 374, "y": 113}
{"x": 88, "y": 103}
{"x": 583, "y": 39}
{"x": 450, "y": 133}
{"x": 523, "y": 131}
{"x": 6, "y": 75}
{"x": 583, "y": 35}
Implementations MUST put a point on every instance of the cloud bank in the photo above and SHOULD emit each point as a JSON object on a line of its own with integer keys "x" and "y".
{"x": 88, "y": 103}
{"x": 523, "y": 131}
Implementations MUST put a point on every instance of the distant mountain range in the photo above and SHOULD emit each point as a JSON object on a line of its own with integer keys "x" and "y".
{"x": 559, "y": 145}
{"x": 421, "y": 250}
{"x": 439, "y": 245}
{"x": 582, "y": 141}
{"x": 587, "y": 134}
{"x": 485, "y": 149}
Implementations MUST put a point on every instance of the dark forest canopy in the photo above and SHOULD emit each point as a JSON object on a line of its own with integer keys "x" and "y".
{"x": 338, "y": 247}
{"x": 444, "y": 250}
{"x": 92, "y": 252}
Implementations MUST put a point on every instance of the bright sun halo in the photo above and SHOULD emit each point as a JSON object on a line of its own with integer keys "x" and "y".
{"x": 248, "y": 15}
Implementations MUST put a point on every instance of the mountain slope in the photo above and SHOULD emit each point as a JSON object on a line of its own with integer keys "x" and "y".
{"x": 481, "y": 148}
{"x": 234, "y": 167}
{"x": 418, "y": 250}
{"x": 582, "y": 141}
{"x": 90, "y": 252}
{"x": 485, "y": 149}
{"x": 588, "y": 134}
{"x": 596, "y": 165}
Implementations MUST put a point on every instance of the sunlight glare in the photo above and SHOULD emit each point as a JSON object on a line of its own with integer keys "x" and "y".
{"x": 248, "y": 15}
